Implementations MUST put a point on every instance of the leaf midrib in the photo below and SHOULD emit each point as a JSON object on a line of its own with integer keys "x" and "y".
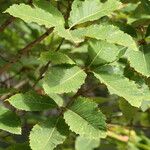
{"x": 51, "y": 134}
{"x": 85, "y": 119}
{"x": 95, "y": 57}
{"x": 71, "y": 77}
{"x": 48, "y": 23}
{"x": 120, "y": 93}
{"x": 31, "y": 102}
{"x": 84, "y": 18}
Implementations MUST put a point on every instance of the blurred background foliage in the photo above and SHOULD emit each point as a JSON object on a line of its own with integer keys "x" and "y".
{"x": 129, "y": 128}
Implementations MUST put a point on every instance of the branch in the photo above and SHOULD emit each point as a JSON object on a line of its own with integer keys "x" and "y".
{"x": 3, "y": 58}
{"x": 71, "y": 100}
{"x": 17, "y": 87}
{"x": 6, "y": 96}
{"x": 44, "y": 68}
{"x": 11, "y": 77}
{"x": 6, "y": 23}
{"x": 122, "y": 138}
{"x": 10, "y": 20}
{"x": 128, "y": 126}
{"x": 25, "y": 50}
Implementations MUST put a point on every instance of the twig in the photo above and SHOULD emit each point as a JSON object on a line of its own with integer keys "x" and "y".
{"x": 6, "y": 96}
{"x": 122, "y": 138}
{"x": 6, "y": 23}
{"x": 25, "y": 50}
{"x": 60, "y": 45}
{"x": 30, "y": 2}
{"x": 44, "y": 68}
{"x": 10, "y": 20}
{"x": 72, "y": 99}
{"x": 68, "y": 12}
{"x": 17, "y": 86}
{"x": 11, "y": 77}
{"x": 129, "y": 126}
{"x": 68, "y": 9}
{"x": 3, "y": 58}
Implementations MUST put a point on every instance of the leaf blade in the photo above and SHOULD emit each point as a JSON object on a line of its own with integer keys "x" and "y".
{"x": 84, "y": 113}
{"x": 83, "y": 143}
{"x": 56, "y": 58}
{"x": 110, "y": 33}
{"x": 9, "y": 121}
{"x": 81, "y": 12}
{"x": 36, "y": 14}
{"x": 50, "y": 133}
{"x": 101, "y": 52}
{"x": 62, "y": 80}
{"x": 31, "y": 101}
{"x": 122, "y": 86}
{"x": 140, "y": 60}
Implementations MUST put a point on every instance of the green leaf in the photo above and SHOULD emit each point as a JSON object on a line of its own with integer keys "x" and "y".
{"x": 83, "y": 143}
{"x": 18, "y": 146}
{"x": 146, "y": 102}
{"x": 43, "y": 13}
{"x": 101, "y": 52}
{"x": 68, "y": 34}
{"x": 85, "y": 119}
{"x": 6, "y": 90}
{"x": 140, "y": 60}
{"x": 31, "y": 101}
{"x": 145, "y": 105}
{"x": 9, "y": 121}
{"x": 48, "y": 135}
{"x": 63, "y": 79}
{"x": 120, "y": 85}
{"x": 148, "y": 31}
{"x": 146, "y": 4}
{"x": 57, "y": 98}
{"x": 110, "y": 33}
{"x": 127, "y": 110}
{"x": 56, "y": 58}
{"x": 83, "y": 11}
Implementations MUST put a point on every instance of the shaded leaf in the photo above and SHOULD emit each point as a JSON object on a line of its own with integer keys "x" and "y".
{"x": 127, "y": 110}
{"x": 9, "y": 121}
{"x": 56, "y": 58}
{"x": 19, "y": 146}
{"x": 146, "y": 4}
{"x": 148, "y": 31}
{"x": 101, "y": 52}
{"x": 57, "y": 98}
{"x": 140, "y": 60}
{"x": 31, "y": 101}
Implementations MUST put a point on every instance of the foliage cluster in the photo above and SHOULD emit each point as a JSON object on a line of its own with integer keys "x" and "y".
{"x": 75, "y": 74}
